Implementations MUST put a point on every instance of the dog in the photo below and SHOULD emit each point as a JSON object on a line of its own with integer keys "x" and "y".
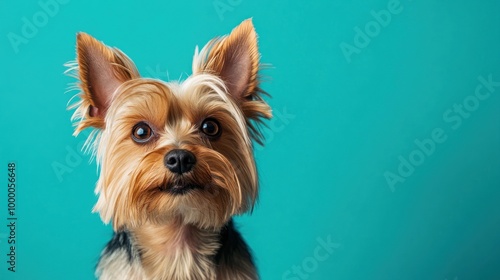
{"x": 176, "y": 158}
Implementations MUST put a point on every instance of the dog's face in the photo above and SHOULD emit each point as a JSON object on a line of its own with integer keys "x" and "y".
{"x": 173, "y": 150}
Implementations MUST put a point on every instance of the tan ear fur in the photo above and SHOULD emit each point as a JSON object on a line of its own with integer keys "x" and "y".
{"x": 235, "y": 60}
{"x": 101, "y": 70}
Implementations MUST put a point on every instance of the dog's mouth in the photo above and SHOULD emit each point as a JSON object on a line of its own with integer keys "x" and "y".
{"x": 179, "y": 188}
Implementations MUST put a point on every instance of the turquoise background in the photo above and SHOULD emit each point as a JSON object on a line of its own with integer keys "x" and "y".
{"x": 342, "y": 122}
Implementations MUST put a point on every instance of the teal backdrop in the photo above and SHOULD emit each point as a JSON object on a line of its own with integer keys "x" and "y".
{"x": 382, "y": 161}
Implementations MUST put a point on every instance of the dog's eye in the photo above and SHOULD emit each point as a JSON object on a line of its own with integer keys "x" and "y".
{"x": 211, "y": 128}
{"x": 142, "y": 133}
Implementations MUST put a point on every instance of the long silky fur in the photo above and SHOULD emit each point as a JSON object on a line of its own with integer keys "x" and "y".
{"x": 160, "y": 236}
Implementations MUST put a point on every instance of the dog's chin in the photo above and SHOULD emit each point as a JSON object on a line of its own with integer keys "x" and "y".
{"x": 180, "y": 189}
{"x": 204, "y": 205}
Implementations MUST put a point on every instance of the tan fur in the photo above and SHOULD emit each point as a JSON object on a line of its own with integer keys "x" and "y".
{"x": 214, "y": 57}
{"x": 177, "y": 251}
{"x": 177, "y": 234}
{"x": 94, "y": 57}
{"x": 129, "y": 195}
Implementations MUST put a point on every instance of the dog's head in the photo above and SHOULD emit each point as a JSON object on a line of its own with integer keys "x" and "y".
{"x": 170, "y": 150}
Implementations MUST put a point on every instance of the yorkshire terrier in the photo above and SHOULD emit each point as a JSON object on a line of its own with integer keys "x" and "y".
{"x": 176, "y": 158}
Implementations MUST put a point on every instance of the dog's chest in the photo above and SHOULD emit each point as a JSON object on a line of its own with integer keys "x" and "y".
{"x": 177, "y": 252}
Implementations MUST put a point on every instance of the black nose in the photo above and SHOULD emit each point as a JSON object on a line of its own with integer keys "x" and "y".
{"x": 179, "y": 161}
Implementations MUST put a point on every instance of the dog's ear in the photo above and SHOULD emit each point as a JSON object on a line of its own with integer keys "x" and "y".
{"x": 235, "y": 59}
{"x": 101, "y": 70}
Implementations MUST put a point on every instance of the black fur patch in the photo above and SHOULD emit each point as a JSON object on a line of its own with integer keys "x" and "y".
{"x": 233, "y": 247}
{"x": 120, "y": 241}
